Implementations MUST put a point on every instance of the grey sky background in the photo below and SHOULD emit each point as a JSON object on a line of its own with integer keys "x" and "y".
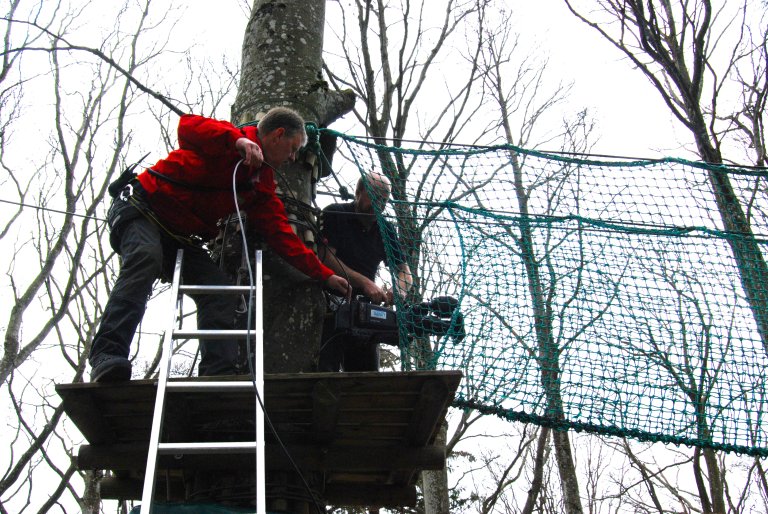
{"x": 632, "y": 119}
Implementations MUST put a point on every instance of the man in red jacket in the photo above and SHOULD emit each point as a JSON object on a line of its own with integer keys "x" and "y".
{"x": 177, "y": 202}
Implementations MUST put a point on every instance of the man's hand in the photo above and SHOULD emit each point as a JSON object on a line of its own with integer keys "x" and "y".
{"x": 340, "y": 285}
{"x": 250, "y": 152}
{"x": 374, "y": 292}
{"x": 390, "y": 295}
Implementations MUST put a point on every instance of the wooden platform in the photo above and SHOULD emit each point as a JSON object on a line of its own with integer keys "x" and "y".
{"x": 367, "y": 435}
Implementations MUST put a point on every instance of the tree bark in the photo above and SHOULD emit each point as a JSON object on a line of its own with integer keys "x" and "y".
{"x": 281, "y": 66}
{"x": 91, "y": 501}
{"x": 434, "y": 484}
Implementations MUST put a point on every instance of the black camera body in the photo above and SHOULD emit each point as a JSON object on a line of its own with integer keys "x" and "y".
{"x": 365, "y": 322}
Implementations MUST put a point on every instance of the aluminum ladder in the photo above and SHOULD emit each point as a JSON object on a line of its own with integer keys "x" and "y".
{"x": 172, "y": 334}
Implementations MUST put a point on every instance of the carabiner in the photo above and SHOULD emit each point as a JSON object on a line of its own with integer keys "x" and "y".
{"x": 126, "y": 193}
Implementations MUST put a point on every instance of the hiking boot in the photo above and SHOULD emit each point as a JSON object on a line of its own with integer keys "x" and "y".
{"x": 110, "y": 368}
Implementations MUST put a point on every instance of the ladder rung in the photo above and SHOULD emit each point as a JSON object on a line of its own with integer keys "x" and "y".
{"x": 213, "y": 334}
{"x": 255, "y": 447}
{"x": 215, "y": 289}
{"x": 211, "y": 387}
{"x": 206, "y": 448}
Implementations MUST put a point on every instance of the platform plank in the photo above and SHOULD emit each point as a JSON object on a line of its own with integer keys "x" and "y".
{"x": 353, "y": 429}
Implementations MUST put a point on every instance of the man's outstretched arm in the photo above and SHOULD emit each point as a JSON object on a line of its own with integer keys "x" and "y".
{"x": 369, "y": 288}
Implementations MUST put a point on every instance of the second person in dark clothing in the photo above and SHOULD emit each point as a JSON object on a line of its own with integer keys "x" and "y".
{"x": 355, "y": 247}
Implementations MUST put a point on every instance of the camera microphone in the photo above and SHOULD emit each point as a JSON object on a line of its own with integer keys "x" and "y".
{"x": 442, "y": 306}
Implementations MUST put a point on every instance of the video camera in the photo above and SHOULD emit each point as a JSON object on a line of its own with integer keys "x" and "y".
{"x": 367, "y": 322}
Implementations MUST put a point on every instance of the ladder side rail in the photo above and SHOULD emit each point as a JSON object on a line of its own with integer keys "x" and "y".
{"x": 148, "y": 492}
{"x": 259, "y": 378}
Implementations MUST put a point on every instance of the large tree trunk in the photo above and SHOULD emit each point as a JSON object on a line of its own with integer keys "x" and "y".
{"x": 281, "y": 66}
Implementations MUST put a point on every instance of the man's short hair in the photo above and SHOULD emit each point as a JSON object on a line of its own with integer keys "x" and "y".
{"x": 282, "y": 117}
{"x": 375, "y": 181}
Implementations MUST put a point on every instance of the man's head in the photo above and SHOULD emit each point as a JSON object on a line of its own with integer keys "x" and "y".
{"x": 282, "y": 133}
{"x": 380, "y": 189}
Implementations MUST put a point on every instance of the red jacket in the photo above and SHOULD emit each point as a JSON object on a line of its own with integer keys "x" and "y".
{"x": 206, "y": 160}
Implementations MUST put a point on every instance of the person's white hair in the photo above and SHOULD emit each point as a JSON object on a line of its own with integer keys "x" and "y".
{"x": 376, "y": 181}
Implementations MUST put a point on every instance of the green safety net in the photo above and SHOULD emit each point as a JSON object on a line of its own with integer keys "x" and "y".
{"x": 587, "y": 295}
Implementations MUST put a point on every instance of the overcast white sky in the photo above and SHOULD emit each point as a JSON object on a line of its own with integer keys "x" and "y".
{"x": 633, "y": 120}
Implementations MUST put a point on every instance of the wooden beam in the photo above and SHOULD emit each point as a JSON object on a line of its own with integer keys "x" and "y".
{"x": 367, "y": 434}
{"x": 82, "y": 408}
{"x": 353, "y": 495}
{"x": 120, "y": 488}
{"x": 428, "y": 413}
{"x": 114, "y": 488}
{"x": 325, "y": 411}
{"x": 133, "y": 457}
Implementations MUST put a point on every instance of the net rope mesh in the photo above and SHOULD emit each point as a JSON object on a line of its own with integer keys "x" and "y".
{"x": 591, "y": 295}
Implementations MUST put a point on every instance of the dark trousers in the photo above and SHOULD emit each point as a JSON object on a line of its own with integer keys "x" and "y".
{"x": 148, "y": 253}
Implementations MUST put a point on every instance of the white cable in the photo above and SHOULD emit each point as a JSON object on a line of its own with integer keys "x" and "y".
{"x": 261, "y": 504}
{"x": 261, "y": 499}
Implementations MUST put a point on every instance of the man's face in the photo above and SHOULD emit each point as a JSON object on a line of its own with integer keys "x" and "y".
{"x": 363, "y": 202}
{"x": 279, "y": 148}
